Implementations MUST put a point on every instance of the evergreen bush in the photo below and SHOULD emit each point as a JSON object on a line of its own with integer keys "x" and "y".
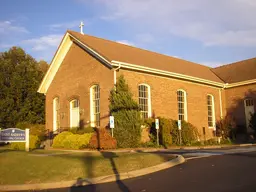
{"x": 189, "y": 133}
{"x": 127, "y": 115}
{"x": 169, "y": 132}
{"x": 34, "y": 129}
{"x": 34, "y": 143}
{"x": 165, "y": 128}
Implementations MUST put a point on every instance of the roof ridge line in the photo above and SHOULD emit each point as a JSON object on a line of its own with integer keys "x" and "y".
{"x": 134, "y": 47}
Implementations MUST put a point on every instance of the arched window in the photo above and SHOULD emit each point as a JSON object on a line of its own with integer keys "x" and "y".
{"x": 145, "y": 100}
{"x": 211, "y": 111}
{"x": 182, "y": 105}
{"x": 74, "y": 113}
{"x": 56, "y": 114}
{"x": 95, "y": 105}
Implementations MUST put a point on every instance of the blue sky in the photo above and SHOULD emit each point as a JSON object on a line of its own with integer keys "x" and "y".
{"x": 210, "y": 32}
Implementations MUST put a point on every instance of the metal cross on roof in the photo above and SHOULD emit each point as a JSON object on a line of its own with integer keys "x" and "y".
{"x": 81, "y": 27}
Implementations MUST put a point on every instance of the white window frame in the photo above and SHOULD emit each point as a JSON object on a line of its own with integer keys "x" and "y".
{"x": 213, "y": 112}
{"x": 56, "y": 115}
{"x": 185, "y": 104}
{"x": 92, "y": 106}
{"x": 71, "y": 112}
{"x": 149, "y": 98}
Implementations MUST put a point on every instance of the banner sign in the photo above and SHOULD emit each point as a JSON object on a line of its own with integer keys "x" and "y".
{"x": 12, "y": 134}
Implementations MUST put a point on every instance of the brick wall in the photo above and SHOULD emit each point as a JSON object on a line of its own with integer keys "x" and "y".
{"x": 164, "y": 97}
{"x": 77, "y": 73}
{"x": 235, "y": 101}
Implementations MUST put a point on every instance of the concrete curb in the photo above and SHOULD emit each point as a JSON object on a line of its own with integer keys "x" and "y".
{"x": 157, "y": 149}
{"x": 104, "y": 179}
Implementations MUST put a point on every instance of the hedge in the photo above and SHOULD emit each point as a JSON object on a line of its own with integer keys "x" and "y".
{"x": 69, "y": 140}
{"x": 169, "y": 133}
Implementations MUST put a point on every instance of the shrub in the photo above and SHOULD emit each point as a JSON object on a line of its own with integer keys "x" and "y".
{"x": 102, "y": 139}
{"x": 189, "y": 133}
{"x": 34, "y": 129}
{"x": 77, "y": 141}
{"x": 169, "y": 133}
{"x": 128, "y": 122}
{"x": 69, "y": 140}
{"x": 59, "y": 139}
{"x": 165, "y": 127}
{"x": 83, "y": 130}
{"x": 224, "y": 127}
{"x": 127, "y": 129}
{"x": 34, "y": 143}
{"x": 253, "y": 122}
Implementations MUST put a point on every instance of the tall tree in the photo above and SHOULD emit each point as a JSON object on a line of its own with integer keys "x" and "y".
{"x": 128, "y": 120}
{"x": 43, "y": 66}
{"x": 20, "y": 76}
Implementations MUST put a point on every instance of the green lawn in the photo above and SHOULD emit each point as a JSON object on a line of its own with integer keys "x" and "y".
{"x": 18, "y": 167}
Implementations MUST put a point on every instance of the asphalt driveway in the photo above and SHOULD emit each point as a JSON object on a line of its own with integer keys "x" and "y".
{"x": 226, "y": 173}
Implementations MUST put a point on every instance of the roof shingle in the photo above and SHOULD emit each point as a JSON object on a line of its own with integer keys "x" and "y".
{"x": 119, "y": 52}
{"x": 237, "y": 72}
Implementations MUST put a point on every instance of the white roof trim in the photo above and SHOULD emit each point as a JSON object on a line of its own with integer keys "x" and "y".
{"x": 166, "y": 73}
{"x": 59, "y": 57}
{"x": 241, "y": 83}
{"x": 67, "y": 42}
{"x": 55, "y": 64}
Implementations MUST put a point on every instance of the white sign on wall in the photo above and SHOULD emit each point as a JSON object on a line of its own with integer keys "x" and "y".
{"x": 157, "y": 123}
{"x": 179, "y": 124}
{"x": 111, "y": 122}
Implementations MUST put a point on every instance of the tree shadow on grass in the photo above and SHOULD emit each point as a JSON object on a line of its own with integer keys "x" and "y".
{"x": 88, "y": 162}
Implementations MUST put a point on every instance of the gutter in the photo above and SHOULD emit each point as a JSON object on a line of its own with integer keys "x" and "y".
{"x": 119, "y": 66}
{"x": 165, "y": 73}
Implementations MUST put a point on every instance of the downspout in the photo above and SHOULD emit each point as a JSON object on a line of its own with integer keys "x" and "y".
{"x": 220, "y": 96}
{"x": 221, "y": 113}
{"x": 115, "y": 73}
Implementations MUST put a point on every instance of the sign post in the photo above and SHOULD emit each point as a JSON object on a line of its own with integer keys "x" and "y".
{"x": 204, "y": 134}
{"x": 179, "y": 127}
{"x": 157, "y": 130}
{"x": 214, "y": 132}
{"x": 15, "y": 135}
{"x": 112, "y": 124}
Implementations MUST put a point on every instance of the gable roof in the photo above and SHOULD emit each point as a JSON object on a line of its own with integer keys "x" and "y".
{"x": 113, "y": 54}
{"x": 238, "y": 71}
{"x": 114, "y": 51}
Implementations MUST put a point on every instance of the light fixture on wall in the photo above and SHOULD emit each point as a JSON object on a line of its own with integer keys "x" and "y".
{"x": 62, "y": 114}
{"x": 81, "y": 111}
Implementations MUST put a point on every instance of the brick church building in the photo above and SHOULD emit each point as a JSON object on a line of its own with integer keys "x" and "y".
{"x": 85, "y": 68}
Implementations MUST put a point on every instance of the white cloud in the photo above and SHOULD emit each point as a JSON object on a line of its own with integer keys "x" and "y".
{"x": 126, "y": 42}
{"x": 44, "y": 42}
{"x": 8, "y": 28}
{"x": 145, "y": 38}
{"x": 67, "y": 25}
{"x": 214, "y": 23}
